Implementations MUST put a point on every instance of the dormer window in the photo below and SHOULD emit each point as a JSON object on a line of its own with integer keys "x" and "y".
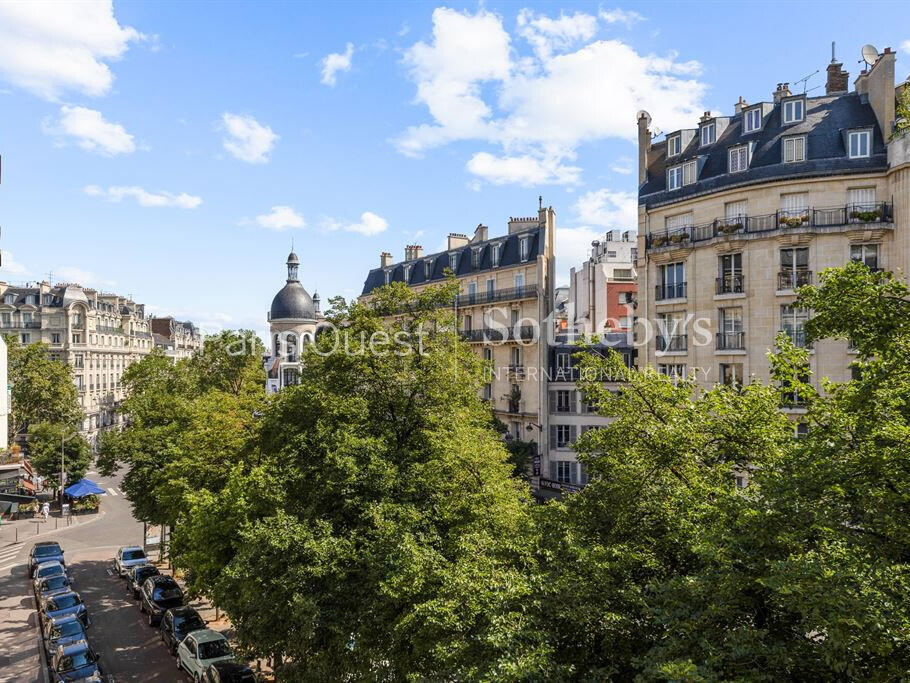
{"x": 453, "y": 262}
{"x": 494, "y": 254}
{"x": 794, "y": 110}
{"x": 708, "y": 134}
{"x": 407, "y": 274}
{"x": 427, "y": 269}
{"x": 674, "y": 145}
{"x": 387, "y": 274}
{"x": 524, "y": 245}
{"x": 738, "y": 159}
{"x": 794, "y": 149}
{"x": 859, "y": 144}
{"x": 679, "y": 176}
{"x": 752, "y": 120}
{"x": 475, "y": 258}
{"x": 9, "y": 299}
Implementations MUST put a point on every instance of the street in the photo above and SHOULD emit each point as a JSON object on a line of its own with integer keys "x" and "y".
{"x": 130, "y": 650}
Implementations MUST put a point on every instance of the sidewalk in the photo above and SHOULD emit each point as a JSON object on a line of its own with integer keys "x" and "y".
{"x": 23, "y": 530}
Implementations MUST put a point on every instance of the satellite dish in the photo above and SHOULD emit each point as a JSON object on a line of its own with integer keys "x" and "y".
{"x": 642, "y": 113}
{"x": 870, "y": 54}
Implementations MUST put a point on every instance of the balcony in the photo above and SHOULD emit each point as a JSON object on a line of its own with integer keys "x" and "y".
{"x": 730, "y": 284}
{"x": 671, "y": 343}
{"x": 485, "y": 335}
{"x": 510, "y": 294}
{"x": 791, "y": 279}
{"x": 517, "y": 371}
{"x": 673, "y": 291}
{"x": 880, "y": 214}
{"x": 33, "y": 325}
{"x": 731, "y": 341}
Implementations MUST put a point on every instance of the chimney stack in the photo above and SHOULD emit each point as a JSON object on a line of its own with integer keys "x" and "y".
{"x": 481, "y": 233}
{"x": 385, "y": 259}
{"x": 838, "y": 79}
{"x": 457, "y": 240}
{"x": 783, "y": 90}
{"x": 739, "y": 106}
{"x": 413, "y": 252}
{"x": 644, "y": 145}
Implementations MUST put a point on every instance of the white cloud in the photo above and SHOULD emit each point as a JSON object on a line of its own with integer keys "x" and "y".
{"x": 608, "y": 209}
{"x": 370, "y": 224}
{"x": 623, "y": 166}
{"x": 523, "y": 170}
{"x": 143, "y": 197}
{"x": 90, "y": 131}
{"x": 246, "y": 138}
{"x": 541, "y": 107}
{"x": 547, "y": 35}
{"x": 280, "y": 218}
{"x": 335, "y": 62}
{"x": 620, "y": 16}
{"x": 905, "y": 46}
{"x": 11, "y": 265}
{"x": 48, "y": 48}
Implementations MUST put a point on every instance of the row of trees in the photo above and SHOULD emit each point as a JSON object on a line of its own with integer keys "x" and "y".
{"x": 45, "y": 413}
{"x": 366, "y": 525}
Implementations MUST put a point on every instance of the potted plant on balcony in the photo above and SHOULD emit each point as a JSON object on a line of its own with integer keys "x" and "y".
{"x": 658, "y": 240}
{"x": 866, "y": 216}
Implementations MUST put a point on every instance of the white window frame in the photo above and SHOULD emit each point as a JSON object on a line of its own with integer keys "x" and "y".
{"x": 524, "y": 247}
{"x": 453, "y": 262}
{"x": 788, "y": 114}
{"x": 790, "y": 147}
{"x": 674, "y": 145}
{"x": 685, "y": 173}
{"x": 674, "y": 178}
{"x": 495, "y": 251}
{"x": 750, "y": 126}
{"x": 741, "y": 155}
{"x": 708, "y": 130}
{"x": 859, "y": 136}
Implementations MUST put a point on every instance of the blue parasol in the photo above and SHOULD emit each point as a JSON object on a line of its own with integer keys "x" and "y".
{"x": 84, "y": 487}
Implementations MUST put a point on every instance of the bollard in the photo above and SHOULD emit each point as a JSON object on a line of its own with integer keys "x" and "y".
{"x": 17, "y": 534}
{"x": 56, "y": 523}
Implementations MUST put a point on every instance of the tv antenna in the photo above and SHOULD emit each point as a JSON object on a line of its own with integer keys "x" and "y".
{"x": 870, "y": 54}
{"x": 805, "y": 81}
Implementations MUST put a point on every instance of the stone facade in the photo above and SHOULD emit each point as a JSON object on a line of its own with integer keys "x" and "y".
{"x": 177, "y": 338}
{"x": 718, "y": 264}
{"x": 98, "y": 334}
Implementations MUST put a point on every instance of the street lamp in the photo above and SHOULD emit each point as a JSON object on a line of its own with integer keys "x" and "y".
{"x": 63, "y": 440}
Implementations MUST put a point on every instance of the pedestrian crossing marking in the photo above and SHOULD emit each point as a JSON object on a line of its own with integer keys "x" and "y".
{"x": 113, "y": 492}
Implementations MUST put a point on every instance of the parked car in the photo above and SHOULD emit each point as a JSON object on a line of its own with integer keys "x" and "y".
{"x": 52, "y": 585}
{"x": 74, "y": 662}
{"x": 50, "y": 568}
{"x": 137, "y": 575}
{"x": 176, "y": 624}
{"x": 229, "y": 672}
{"x": 201, "y": 649}
{"x": 63, "y": 604}
{"x": 62, "y": 631}
{"x": 44, "y": 551}
{"x": 159, "y": 594}
{"x": 129, "y": 556}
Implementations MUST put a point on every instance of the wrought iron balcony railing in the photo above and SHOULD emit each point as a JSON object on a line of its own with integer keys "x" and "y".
{"x": 673, "y": 291}
{"x": 791, "y": 279}
{"x": 881, "y": 213}
{"x": 674, "y": 342}
{"x": 730, "y": 284}
{"x": 731, "y": 341}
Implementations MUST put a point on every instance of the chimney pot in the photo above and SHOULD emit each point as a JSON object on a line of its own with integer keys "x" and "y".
{"x": 385, "y": 259}
{"x": 838, "y": 79}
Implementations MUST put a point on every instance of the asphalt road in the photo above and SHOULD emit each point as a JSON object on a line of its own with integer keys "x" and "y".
{"x": 130, "y": 650}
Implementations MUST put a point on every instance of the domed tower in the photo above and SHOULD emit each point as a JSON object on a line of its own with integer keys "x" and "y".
{"x": 292, "y": 323}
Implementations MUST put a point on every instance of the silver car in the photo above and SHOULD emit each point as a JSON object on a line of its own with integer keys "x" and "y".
{"x": 129, "y": 556}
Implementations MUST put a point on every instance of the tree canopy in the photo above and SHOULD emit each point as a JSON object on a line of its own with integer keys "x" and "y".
{"x": 367, "y": 524}
{"x": 44, "y": 444}
{"x": 42, "y": 389}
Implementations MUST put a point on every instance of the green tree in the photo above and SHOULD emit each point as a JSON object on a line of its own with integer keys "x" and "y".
{"x": 44, "y": 444}
{"x": 42, "y": 389}
{"x": 664, "y": 569}
{"x": 902, "y": 113}
{"x": 381, "y": 537}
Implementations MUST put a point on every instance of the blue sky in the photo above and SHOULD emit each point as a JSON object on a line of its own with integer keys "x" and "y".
{"x": 172, "y": 151}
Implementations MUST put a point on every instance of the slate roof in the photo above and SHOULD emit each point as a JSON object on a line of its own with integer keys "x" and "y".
{"x": 510, "y": 255}
{"x": 827, "y": 120}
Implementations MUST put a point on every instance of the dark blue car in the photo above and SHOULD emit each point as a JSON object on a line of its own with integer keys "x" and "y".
{"x": 74, "y": 662}
{"x": 64, "y": 630}
{"x": 45, "y": 551}
{"x": 63, "y": 604}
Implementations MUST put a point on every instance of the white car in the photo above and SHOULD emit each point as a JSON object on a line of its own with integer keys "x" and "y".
{"x": 201, "y": 648}
{"x": 129, "y": 556}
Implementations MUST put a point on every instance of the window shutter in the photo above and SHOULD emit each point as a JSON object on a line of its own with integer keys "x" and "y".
{"x": 573, "y": 433}
{"x": 573, "y": 473}
{"x": 552, "y": 437}
{"x": 573, "y": 401}
{"x": 552, "y": 403}
{"x": 553, "y": 470}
